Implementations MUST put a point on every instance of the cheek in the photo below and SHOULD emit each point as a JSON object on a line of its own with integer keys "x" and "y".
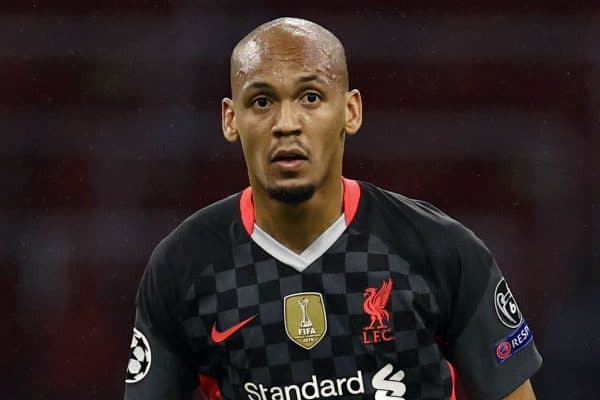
{"x": 255, "y": 130}
{"x": 334, "y": 116}
{"x": 254, "y": 147}
{"x": 330, "y": 134}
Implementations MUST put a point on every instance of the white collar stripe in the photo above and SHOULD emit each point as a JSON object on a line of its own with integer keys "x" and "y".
{"x": 300, "y": 261}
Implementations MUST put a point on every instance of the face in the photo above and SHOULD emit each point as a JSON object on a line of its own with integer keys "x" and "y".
{"x": 291, "y": 111}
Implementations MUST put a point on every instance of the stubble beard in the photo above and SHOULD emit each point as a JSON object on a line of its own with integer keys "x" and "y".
{"x": 294, "y": 195}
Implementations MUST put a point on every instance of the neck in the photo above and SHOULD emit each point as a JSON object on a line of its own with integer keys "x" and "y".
{"x": 296, "y": 226}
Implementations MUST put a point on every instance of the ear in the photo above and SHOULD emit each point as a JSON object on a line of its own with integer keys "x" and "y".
{"x": 228, "y": 123}
{"x": 353, "y": 113}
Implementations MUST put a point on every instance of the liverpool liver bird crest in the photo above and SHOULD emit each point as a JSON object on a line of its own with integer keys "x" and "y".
{"x": 375, "y": 302}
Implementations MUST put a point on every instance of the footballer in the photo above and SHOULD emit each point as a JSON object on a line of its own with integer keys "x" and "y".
{"x": 311, "y": 285}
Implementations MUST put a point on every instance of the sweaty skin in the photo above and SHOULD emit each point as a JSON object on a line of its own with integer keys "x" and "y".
{"x": 290, "y": 98}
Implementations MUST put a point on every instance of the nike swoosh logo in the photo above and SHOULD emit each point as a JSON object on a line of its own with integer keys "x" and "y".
{"x": 219, "y": 337}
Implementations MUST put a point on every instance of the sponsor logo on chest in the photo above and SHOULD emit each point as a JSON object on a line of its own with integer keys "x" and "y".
{"x": 387, "y": 384}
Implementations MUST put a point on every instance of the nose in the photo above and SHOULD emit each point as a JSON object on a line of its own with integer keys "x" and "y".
{"x": 288, "y": 120}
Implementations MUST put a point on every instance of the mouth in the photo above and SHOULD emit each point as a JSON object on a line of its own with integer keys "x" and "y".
{"x": 289, "y": 160}
{"x": 289, "y": 155}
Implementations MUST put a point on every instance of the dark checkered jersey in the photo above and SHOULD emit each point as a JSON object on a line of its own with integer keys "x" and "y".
{"x": 394, "y": 301}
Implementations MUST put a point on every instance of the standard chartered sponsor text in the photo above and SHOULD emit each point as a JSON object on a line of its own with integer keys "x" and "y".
{"x": 312, "y": 389}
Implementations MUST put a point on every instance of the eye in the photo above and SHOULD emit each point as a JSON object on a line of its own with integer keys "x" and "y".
{"x": 311, "y": 98}
{"x": 261, "y": 102}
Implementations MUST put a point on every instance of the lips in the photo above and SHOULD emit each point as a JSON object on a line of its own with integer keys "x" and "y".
{"x": 289, "y": 160}
{"x": 288, "y": 155}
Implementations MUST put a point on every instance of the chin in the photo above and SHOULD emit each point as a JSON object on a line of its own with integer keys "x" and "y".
{"x": 292, "y": 195}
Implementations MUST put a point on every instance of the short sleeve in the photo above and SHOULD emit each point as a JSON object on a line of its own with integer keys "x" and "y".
{"x": 157, "y": 367}
{"x": 489, "y": 343}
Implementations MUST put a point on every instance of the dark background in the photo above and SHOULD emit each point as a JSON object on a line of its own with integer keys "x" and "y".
{"x": 110, "y": 136}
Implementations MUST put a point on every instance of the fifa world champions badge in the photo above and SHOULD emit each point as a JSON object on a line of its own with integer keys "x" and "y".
{"x": 305, "y": 318}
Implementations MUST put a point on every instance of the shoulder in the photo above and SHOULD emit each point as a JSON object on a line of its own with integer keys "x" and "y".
{"x": 422, "y": 218}
{"x": 199, "y": 238}
{"x": 430, "y": 240}
{"x": 451, "y": 256}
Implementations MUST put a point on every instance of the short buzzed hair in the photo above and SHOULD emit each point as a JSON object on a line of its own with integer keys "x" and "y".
{"x": 248, "y": 51}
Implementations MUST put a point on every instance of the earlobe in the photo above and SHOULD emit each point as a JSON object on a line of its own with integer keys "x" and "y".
{"x": 228, "y": 123}
{"x": 353, "y": 114}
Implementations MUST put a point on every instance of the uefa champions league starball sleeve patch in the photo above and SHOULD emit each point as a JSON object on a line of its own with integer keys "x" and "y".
{"x": 140, "y": 358}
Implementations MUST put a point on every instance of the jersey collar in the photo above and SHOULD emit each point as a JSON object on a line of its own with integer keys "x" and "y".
{"x": 351, "y": 199}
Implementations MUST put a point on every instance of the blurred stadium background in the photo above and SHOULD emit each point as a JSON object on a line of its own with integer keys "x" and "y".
{"x": 110, "y": 136}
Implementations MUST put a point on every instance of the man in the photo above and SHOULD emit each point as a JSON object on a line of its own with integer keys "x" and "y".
{"x": 308, "y": 285}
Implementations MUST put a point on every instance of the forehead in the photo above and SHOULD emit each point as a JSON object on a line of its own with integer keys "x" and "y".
{"x": 280, "y": 55}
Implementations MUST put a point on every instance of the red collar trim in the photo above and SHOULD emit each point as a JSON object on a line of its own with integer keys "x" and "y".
{"x": 247, "y": 210}
{"x": 351, "y": 199}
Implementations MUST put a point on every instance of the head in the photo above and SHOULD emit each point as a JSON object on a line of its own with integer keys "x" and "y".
{"x": 291, "y": 108}
{"x": 369, "y": 292}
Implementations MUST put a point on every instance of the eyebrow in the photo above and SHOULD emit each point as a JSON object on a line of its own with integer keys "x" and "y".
{"x": 302, "y": 79}
{"x": 259, "y": 85}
